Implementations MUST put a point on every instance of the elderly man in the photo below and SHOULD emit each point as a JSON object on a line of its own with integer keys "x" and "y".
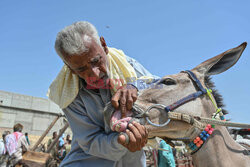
{"x": 90, "y": 67}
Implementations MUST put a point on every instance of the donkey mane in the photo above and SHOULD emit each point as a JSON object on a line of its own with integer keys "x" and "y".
{"x": 218, "y": 97}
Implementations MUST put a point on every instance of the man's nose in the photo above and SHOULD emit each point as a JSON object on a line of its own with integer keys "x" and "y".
{"x": 96, "y": 72}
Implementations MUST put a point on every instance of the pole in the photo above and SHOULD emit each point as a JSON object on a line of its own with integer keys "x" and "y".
{"x": 45, "y": 133}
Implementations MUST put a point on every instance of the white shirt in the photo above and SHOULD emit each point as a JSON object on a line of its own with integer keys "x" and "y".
{"x": 2, "y": 147}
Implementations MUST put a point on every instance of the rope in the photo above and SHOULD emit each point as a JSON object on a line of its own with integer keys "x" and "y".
{"x": 224, "y": 123}
{"x": 186, "y": 118}
{"x": 218, "y": 110}
{"x": 209, "y": 93}
{"x": 200, "y": 122}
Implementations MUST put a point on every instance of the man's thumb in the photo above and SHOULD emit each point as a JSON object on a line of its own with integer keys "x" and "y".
{"x": 123, "y": 138}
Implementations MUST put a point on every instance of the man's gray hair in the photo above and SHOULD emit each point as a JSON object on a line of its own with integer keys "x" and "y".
{"x": 71, "y": 40}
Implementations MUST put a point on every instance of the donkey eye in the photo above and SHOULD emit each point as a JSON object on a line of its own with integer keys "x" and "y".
{"x": 168, "y": 81}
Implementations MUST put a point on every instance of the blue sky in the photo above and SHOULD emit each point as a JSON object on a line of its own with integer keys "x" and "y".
{"x": 166, "y": 36}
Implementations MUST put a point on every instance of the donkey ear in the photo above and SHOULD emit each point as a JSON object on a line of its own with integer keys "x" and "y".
{"x": 222, "y": 62}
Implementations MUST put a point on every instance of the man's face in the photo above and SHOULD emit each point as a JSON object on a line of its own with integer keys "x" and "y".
{"x": 91, "y": 65}
{"x": 54, "y": 135}
{"x": 68, "y": 137}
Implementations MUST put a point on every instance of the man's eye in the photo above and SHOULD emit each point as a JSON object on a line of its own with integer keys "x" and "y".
{"x": 81, "y": 70}
{"x": 96, "y": 60}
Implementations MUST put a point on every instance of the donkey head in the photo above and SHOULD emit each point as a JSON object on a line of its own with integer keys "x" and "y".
{"x": 174, "y": 87}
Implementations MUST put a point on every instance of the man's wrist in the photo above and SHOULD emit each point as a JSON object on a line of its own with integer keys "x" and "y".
{"x": 132, "y": 85}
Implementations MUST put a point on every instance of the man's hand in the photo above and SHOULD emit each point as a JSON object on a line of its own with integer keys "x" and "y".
{"x": 126, "y": 95}
{"x": 138, "y": 135}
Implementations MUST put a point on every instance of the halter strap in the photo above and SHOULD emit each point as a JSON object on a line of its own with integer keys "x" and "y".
{"x": 180, "y": 102}
{"x": 190, "y": 97}
{"x": 183, "y": 101}
{"x": 186, "y": 99}
{"x": 196, "y": 80}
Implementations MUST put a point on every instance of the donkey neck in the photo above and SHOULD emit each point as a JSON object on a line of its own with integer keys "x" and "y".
{"x": 221, "y": 150}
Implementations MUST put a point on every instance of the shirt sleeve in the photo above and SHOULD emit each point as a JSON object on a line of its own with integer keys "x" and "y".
{"x": 140, "y": 72}
{"x": 92, "y": 138}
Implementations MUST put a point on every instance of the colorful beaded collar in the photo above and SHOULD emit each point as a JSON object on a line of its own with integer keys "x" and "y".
{"x": 197, "y": 143}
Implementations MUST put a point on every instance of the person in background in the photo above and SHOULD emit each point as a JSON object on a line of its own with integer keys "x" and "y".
{"x": 61, "y": 141}
{"x": 54, "y": 136}
{"x": 16, "y": 145}
{"x": 7, "y": 132}
{"x": 2, "y": 145}
{"x": 165, "y": 158}
{"x": 61, "y": 147}
{"x": 68, "y": 147}
{"x": 53, "y": 151}
{"x": 68, "y": 138}
{"x": 3, "y": 153}
{"x": 27, "y": 138}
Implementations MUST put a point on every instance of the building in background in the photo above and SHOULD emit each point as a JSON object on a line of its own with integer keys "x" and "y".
{"x": 34, "y": 113}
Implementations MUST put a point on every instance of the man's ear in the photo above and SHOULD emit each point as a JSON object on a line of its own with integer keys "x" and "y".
{"x": 104, "y": 45}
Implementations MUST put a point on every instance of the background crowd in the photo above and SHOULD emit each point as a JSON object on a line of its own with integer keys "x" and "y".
{"x": 14, "y": 145}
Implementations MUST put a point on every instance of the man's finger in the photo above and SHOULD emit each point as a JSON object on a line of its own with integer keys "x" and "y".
{"x": 136, "y": 133}
{"x": 140, "y": 128}
{"x": 146, "y": 135}
{"x": 123, "y": 102}
{"x": 129, "y": 101}
{"x": 132, "y": 141}
{"x": 134, "y": 96}
{"x": 122, "y": 140}
{"x": 142, "y": 131}
{"x": 115, "y": 99}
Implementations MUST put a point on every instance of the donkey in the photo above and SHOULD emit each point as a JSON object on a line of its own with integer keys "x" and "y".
{"x": 219, "y": 149}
